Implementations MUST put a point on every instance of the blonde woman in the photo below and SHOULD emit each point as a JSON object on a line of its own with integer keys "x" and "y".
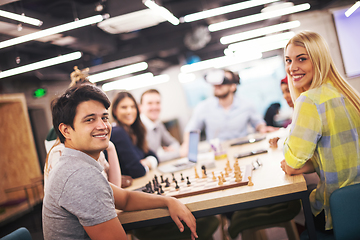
{"x": 324, "y": 135}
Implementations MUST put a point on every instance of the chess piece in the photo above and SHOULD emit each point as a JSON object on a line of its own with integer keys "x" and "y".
{"x": 150, "y": 187}
{"x": 182, "y": 177}
{"x": 203, "y": 173}
{"x": 173, "y": 177}
{"x": 250, "y": 183}
{"x": 176, "y": 185}
{"x": 237, "y": 177}
{"x": 167, "y": 183}
{"x": 222, "y": 177}
{"x": 158, "y": 191}
{"x": 226, "y": 172}
{"x": 162, "y": 179}
{"x": 213, "y": 176}
{"x": 204, "y": 168}
{"x": 228, "y": 166}
{"x": 220, "y": 181}
{"x": 161, "y": 191}
{"x": 196, "y": 174}
{"x": 188, "y": 181}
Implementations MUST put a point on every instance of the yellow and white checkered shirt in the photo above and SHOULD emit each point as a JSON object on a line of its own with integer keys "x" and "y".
{"x": 325, "y": 129}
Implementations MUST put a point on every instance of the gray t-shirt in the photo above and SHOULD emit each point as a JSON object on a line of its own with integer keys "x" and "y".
{"x": 77, "y": 195}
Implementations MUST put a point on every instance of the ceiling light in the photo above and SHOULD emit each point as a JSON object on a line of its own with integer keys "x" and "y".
{"x": 352, "y": 9}
{"x": 21, "y": 18}
{"x": 41, "y": 64}
{"x": 53, "y": 30}
{"x": 162, "y": 12}
{"x": 257, "y": 17}
{"x": 137, "y": 67}
{"x": 265, "y": 47}
{"x": 260, "y": 41}
{"x": 139, "y": 81}
{"x": 259, "y": 32}
{"x": 219, "y": 62}
{"x": 225, "y": 9}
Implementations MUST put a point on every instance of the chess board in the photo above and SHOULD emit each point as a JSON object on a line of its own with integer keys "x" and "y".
{"x": 203, "y": 185}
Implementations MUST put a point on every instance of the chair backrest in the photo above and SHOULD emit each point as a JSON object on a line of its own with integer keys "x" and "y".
{"x": 345, "y": 212}
{"x": 19, "y": 234}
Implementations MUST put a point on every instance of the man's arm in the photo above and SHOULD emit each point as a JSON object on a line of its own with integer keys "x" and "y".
{"x": 109, "y": 230}
{"x": 262, "y": 128}
{"x": 307, "y": 168}
{"x": 132, "y": 200}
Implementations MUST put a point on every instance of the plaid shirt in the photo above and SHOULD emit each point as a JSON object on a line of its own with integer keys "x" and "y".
{"x": 325, "y": 129}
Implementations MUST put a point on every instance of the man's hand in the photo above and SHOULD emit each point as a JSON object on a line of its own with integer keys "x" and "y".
{"x": 179, "y": 212}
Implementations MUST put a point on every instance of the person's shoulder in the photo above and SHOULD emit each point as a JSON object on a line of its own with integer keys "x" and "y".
{"x": 321, "y": 94}
{"x": 209, "y": 102}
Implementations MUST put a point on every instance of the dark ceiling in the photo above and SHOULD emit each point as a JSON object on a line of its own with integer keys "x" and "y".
{"x": 160, "y": 46}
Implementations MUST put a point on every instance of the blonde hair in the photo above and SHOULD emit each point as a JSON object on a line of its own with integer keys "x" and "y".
{"x": 323, "y": 67}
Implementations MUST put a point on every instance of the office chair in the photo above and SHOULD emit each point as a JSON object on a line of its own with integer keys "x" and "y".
{"x": 345, "y": 212}
{"x": 19, "y": 234}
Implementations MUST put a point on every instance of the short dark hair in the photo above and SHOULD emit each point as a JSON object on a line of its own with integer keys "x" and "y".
{"x": 148, "y": 91}
{"x": 64, "y": 108}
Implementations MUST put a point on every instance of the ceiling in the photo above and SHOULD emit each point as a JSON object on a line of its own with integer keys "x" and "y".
{"x": 161, "y": 46}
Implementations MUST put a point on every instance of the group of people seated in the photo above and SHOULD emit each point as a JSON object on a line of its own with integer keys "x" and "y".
{"x": 85, "y": 167}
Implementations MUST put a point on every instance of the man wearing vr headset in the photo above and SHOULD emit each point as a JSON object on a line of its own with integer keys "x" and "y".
{"x": 224, "y": 116}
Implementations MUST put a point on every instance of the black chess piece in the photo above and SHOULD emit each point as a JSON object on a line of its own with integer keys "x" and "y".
{"x": 156, "y": 179}
{"x": 176, "y": 185}
{"x": 174, "y": 179}
{"x": 188, "y": 181}
{"x": 182, "y": 177}
{"x": 204, "y": 168}
{"x": 161, "y": 191}
{"x": 167, "y": 183}
{"x": 162, "y": 179}
{"x": 150, "y": 188}
{"x": 155, "y": 185}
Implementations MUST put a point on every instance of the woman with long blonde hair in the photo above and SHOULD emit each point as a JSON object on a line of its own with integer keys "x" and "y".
{"x": 324, "y": 135}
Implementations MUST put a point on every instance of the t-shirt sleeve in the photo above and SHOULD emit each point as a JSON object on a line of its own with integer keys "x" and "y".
{"x": 304, "y": 134}
{"x": 89, "y": 197}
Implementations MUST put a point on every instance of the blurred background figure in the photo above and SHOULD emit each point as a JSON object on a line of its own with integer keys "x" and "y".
{"x": 270, "y": 114}
{"x": 129, "y": 137}
{"x": 158, "y": 138}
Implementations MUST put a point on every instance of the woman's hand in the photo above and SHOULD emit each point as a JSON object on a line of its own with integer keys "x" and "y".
{"x": 307, "y": 168}
{"x": 179, "y": 212}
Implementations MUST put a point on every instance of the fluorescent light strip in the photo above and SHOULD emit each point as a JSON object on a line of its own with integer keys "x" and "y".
{"x": 259, "y": 32}
{"x": 260, "y": 41}
{"x": 162, "y": 12}
{"x": 352, "y": 9}
{"x": 219, "y": 62}
{"x": 21, "y": 18}
{"x": 137, "y": 67}
{"x": 225, "y": 9}
{"x": 42, "y": 64}
{"x": 139, "y": 81}
{"x": 51, "y": 31}
{"x": 257, "y": 17}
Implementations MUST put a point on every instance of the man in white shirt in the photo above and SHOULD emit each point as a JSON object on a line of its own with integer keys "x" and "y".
{"x": 159, "y": 139}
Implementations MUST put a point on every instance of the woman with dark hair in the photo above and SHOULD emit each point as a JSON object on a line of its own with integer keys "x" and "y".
{"x": 129, "y": 137}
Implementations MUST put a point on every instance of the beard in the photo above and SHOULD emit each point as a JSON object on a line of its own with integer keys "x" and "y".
{"x": 221, "y": 96}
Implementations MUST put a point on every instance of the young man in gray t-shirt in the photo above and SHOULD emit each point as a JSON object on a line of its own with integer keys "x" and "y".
{"x": 79, "y": 203}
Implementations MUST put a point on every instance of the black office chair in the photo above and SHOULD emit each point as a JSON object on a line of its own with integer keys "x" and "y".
{"x": 19, "y": 234}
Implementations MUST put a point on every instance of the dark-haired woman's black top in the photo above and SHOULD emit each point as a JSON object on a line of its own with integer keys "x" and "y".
{"x": 129, "y": 154}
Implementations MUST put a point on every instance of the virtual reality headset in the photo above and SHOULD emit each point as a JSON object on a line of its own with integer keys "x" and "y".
{"x": 217, "y": 77}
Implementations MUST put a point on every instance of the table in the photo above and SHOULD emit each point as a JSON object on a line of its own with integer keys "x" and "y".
{"x": 271, "y": 185}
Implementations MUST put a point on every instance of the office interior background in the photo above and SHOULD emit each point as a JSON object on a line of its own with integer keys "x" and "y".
{"x": 172, "y": 53}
